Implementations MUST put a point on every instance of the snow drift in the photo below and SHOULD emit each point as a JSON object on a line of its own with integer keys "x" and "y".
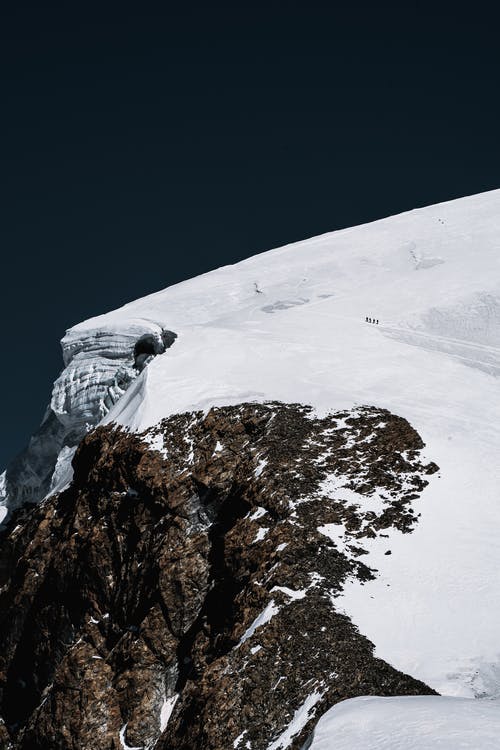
{"x": 409, "y": 723}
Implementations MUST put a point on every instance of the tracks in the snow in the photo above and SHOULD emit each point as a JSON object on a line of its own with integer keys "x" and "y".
{"x": 481, "y": 356}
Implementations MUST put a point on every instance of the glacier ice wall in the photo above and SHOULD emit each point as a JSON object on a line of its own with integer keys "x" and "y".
{"x": 99, "y": 365}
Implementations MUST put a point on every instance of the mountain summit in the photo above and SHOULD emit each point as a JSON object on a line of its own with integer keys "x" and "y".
{"x": 263, "y": 491}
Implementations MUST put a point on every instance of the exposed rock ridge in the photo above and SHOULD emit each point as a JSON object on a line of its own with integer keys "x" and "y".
{"x": 181, "y": 593}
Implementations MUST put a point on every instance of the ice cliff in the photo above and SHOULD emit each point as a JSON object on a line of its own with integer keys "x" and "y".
{"x": 99, "y": 365}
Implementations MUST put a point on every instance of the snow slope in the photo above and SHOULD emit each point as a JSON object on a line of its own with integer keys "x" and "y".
{"x": 409, "y": 723}
{"x": 289, "y": 324}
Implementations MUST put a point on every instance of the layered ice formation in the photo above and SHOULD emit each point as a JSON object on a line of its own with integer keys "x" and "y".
{"x": 100, "y": 363}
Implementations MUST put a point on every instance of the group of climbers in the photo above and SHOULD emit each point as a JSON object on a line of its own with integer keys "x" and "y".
{"x": 371, "y": 320}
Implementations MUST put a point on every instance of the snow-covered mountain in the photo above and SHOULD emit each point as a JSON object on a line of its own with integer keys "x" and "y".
{"x": 295, "y": 326}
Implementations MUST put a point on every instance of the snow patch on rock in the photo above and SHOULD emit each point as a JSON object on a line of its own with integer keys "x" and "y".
{"x": 264, "y": 617}
{"x": 166, "y": 711}
{"x": 300, "y": 719}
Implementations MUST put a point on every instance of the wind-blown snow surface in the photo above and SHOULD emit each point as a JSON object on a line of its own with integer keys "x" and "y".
{"x": 407, "y": 723}
{"x": 290, "y": 325}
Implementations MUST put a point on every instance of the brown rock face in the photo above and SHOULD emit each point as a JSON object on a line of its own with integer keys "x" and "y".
{"x": 189, "y": 571}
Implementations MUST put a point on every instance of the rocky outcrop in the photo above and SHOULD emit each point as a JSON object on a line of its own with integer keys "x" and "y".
{"x": 181, "y": 593}
{"x": 99, "y": 365}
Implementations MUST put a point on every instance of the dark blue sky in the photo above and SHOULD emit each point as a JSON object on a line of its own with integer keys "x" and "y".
{"x": 145, "y": 143}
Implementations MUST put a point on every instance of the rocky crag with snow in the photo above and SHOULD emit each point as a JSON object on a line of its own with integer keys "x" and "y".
{"x": 192, "y": 570}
